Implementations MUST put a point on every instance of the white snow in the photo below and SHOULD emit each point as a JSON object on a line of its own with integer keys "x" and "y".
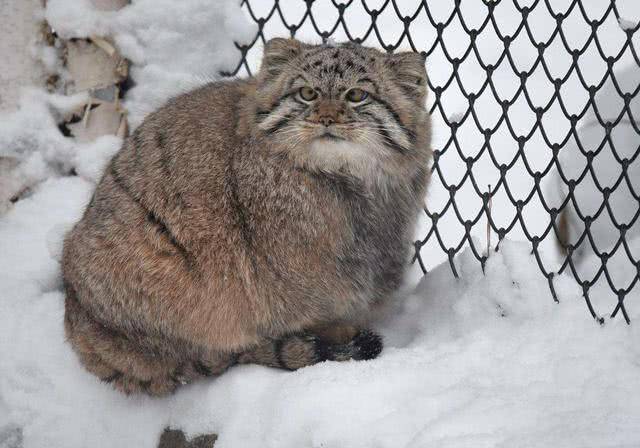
{"x": 486, "y": 360}
{"x": 30, "y": 138}
{"x": 19, "y": 32}
{"x": 174, "y": 46}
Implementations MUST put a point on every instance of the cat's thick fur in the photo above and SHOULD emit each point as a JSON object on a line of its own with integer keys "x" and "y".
{"x": 242, "y": 222}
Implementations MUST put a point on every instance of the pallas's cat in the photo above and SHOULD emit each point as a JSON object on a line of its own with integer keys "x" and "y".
{"x": 253, "y": 221}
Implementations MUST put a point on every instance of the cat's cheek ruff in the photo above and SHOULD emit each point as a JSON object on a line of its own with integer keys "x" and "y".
{"x": 388, "y": 125}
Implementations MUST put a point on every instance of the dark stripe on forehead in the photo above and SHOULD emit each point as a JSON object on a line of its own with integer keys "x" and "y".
{"x": 333, "y": 69}
{"x": 357, "y": 67}
{"x": 361, "y": 56}
{"x": 325, "y": 60}
{"x": 311, "y": 65}
{"x": 334, "y": 52}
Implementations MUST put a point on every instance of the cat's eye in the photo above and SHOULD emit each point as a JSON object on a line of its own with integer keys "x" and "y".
{"x": 356, "y": 95}
{"x": 307, "y": 93}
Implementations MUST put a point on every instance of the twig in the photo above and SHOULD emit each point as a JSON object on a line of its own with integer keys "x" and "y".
{"x": 489, "y": 222}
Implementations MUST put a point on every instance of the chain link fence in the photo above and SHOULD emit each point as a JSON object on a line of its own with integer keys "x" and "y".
{"x": 535, "y": 135}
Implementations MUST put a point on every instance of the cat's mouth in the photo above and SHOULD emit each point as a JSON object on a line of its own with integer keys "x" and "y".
{"x": 329, "y": 136}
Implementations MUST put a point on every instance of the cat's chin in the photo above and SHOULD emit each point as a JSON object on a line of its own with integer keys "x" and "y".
{"x": 330, "y": 138}
{"x": 335, "y": 154}
{"x": 332, "y": 147}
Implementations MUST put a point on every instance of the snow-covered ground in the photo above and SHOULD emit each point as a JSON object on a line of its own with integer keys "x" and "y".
{"x": 487, "y": 360}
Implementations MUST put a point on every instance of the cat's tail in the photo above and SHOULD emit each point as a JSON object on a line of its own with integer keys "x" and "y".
{"x": 295, "y": 351}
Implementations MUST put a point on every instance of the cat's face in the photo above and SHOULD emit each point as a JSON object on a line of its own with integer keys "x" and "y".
{"x": 343, "y": 107}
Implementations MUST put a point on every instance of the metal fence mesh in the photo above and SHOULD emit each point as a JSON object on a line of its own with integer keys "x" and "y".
{"x": 534, "y": 105}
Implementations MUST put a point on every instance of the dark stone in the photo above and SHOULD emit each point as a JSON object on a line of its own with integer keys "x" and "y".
{"x": 175, "y": 438}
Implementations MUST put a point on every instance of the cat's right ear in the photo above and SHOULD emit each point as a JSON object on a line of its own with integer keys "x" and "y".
{"x": 278, "y": 52}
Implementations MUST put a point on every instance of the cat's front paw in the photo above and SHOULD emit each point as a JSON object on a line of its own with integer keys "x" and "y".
{"x": 366, "y": 345}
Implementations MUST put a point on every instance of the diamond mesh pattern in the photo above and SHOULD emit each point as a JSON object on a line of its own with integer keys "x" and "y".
{"x": 536, "y": 134}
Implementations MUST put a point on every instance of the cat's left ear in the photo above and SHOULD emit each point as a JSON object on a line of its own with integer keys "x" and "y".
{"x": 410, "y": 72}
{"x": 278, "y": 53}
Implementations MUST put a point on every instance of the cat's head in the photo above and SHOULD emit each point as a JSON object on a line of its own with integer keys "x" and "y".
{"x": 344, "y": 107}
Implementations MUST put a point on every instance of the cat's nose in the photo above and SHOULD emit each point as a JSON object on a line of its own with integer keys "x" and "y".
{"x": 327, "y": 120}
{"x": 327, "y": 112}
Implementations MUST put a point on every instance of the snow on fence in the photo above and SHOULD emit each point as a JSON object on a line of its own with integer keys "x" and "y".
{"x": 535, "y": 131}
